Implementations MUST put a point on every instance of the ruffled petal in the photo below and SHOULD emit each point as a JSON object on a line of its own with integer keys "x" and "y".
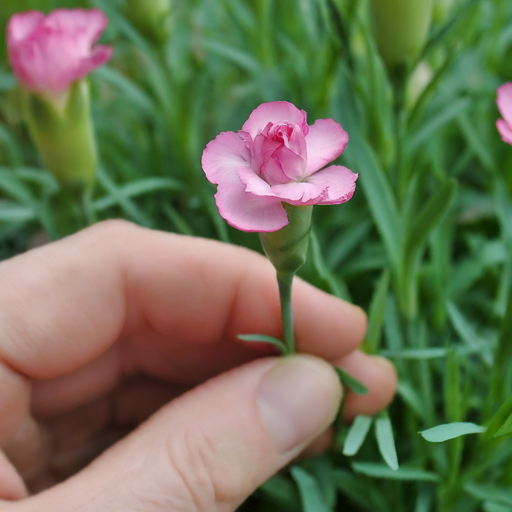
{"x": 99, "y": 56}
{"x": 325, "y": 142}
{"x": 84, "y": 25}
{"x": 223, "y": 156}
{"x": 22, "y": 25}
{"x": 339, "y": 182}
{"x": 301, "y": 194}
{"x": 505, "y": 130}
{"x": 298, "y": 194}
{"x": 249, "y": 212}
{"x": 504, "y": 102}
{"x": 274, "y": 112}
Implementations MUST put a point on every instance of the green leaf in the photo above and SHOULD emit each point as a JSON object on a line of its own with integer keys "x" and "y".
{"x": 490, "y": 506}
{"x": 403, "y": 473}
{"x": 448, "y": 431}
{"x": 282, "y": 491}
{"x": 376, "y": 314}
{"x": 428, "y": 218}
{"x": 452, "y": 392}
{"x": 352, "y": 383}
{"x": 379, "y": 195}
{"x": 137, "y": 188}
{"x": 261, "y": 338}
{"x": 386, "y": 441}
{"x": 490, "y": 493}
{"x": 311, "y": 496}
{"x": 415, "y": 353}
{"x": 356, "y": 435}
{"x": 506, "y": 428}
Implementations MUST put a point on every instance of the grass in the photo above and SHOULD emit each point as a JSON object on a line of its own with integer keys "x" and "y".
{"x": 425, "y": 245}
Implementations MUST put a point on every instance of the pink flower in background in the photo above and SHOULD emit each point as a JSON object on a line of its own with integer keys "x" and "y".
{"x": 276, "y": 158}
{"x": 504, "y": 102}
{"x": 49, "y": 53}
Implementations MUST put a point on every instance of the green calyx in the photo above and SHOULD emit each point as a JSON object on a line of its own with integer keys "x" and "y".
{"x": 63, "y": 133}
{"x": 400, "y": 28}
{"x": 287, "y": 248}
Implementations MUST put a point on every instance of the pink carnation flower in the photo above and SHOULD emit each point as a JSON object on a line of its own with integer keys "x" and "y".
{"x": 276, "y": 158}
{"x": 49, "y": 53}
{"x": 504, "y": 102}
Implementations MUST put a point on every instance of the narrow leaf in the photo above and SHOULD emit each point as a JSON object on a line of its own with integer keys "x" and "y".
{"x": 347, "y": 380}
{"x": 448, "y": 431}
{"x": 386, "y": 441}
{"x": 428, "y": 218}
{"x": 379, "y": 194}
{"x": 261, "y": 338}
{"x": 376, "y": 314}
{"x": 489, "y": 492}
{"x": 490, "y": 506}
{"x": 403, "y": 473}
{"x": 311, "y": 496}
{"x": 506, "y": 428}
{"x": 356, "y": 435}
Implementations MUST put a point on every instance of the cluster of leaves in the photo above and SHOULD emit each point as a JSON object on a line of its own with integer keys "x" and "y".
{"x": 425, "y": 244}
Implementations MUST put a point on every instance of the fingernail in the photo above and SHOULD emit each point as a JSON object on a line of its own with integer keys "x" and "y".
{"x": 297, "y": 400}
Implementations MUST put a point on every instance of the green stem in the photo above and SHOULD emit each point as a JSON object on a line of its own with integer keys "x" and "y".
{"x": 285, "y": 281}
{"x": 86, "y": 209}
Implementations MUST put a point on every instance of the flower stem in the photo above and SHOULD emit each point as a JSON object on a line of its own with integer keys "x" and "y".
{"x": 285, "y": 281}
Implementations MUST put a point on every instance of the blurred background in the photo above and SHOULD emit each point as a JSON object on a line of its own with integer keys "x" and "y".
{"x": 425, "y": 245}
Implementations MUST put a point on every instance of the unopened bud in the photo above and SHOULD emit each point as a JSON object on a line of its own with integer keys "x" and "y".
{"x": 151, "y": 17}
{"x": 400, "y": 28}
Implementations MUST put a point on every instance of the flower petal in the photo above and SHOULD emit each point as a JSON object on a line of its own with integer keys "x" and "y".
{"x": 274, "y": 112}
{"x": 84, "y": 25}
{"x": 505, "y": 130}
{"x": 49, "y": 53}
{"x": 504, "y": 102}
{"x": 339, "y": 181}
{"x": 223, "y": 156}
{"x": 249, "y": 212}
{"x": 298, "y": 194}
{"x": 325, "y": 142}
{"x": 22, "y": 25}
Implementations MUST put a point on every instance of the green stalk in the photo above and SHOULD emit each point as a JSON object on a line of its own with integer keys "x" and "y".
{"x": 285, "y": 281}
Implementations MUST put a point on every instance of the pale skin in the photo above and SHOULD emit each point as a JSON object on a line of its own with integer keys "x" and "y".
{"x": 120, "y": 326}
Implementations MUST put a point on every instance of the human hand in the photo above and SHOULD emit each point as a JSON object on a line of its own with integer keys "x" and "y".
{"x": 102, "y": 329}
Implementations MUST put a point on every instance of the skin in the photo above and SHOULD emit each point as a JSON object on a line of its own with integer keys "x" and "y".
{"x": 103, "y": 329}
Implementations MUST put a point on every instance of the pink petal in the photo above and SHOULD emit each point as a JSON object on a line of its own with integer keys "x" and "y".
{"x": 223, "y": 156}
{"x": 100, "y": 55}
{"x": 49, "y": 53}
{"x": 245, "y": 211}
{"x": 299, "y": 194}
{"x": 249, "y": 212}
{"x": 86, "y": 25}
{"x": 22, "y": 25}
{"x": 505, "y": 130}
{"x": 339, "y": 181}
{"x": 325, "y": 141}
{"x": 504, "y": 102}
{"x": 274, "y": 112}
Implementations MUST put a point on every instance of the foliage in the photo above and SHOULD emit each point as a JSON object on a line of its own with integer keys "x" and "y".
{"x": 426, "y": 240}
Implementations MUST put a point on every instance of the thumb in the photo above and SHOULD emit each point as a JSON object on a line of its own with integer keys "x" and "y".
{"x": 211, "y": 448}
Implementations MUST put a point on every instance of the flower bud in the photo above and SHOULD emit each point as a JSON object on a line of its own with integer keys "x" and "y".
{"x": 50, "y": 56}
{"x": 63, "y": 132}
{"x": 287, "y": 248}
{"x": 400, "y": 28}
{"x": 151, "y": 17}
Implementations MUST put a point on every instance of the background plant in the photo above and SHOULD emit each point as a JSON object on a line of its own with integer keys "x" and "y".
{"x": 425, "y": 244}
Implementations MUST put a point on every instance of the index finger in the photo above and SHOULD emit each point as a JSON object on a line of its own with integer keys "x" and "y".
{"x": 64, "y": 304}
